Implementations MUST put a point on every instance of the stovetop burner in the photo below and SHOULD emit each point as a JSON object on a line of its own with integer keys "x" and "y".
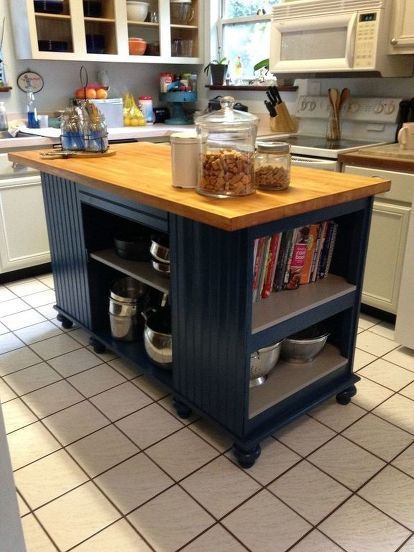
{"x": 320, "y": 143}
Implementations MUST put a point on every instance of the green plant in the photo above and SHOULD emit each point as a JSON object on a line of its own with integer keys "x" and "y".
{"x": 221, "y": 61}
{"x": 264, "y": 64}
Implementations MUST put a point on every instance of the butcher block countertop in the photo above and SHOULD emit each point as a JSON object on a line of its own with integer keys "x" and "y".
{"x": 388, "y": 157}
{"x": 142, "y": 172}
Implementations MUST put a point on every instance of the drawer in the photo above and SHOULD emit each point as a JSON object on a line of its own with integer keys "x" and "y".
{"x": 131, "y": 210}
{"x": 402, "y": 184}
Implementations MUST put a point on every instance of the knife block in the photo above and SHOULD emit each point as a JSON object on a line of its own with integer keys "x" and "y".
{"x": 283, "y": 122}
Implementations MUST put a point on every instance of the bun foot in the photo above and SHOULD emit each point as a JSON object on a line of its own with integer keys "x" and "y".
{"x": 66, "y": 323}
{"x": 345, "y": 396}
{"x": 98, "y": 347}
{"x": 246, "y": 457}
{"x": 182, "y": 409}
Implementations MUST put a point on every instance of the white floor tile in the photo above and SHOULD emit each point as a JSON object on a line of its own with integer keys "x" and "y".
{"x": 359, "y": 527}
{"x": 36, "y": 538}
{"x": 304, "y": 435}
{"x": 17, "y": 359}
{"x": 165, "y": 521}
{"x": 375, "y": 344}
{"x": 32, "y": 378}
{"x": 12, "y": 306}
{"x": 405, "y": 461}
{"x": 22, "y": 319}
{"x": 40, "y": 298}
{"x": 387, "y": 374}
{"x": 9, "y": 342}
{"x": 55, "y": 346}
{"x": 403, "y": 357}
{"x": 399, "y": 411}
{"x": 309, "y": 492}
{"x": 392, "y": 492}
{"x": 265, "y": 524}
{"x": 370, "y": 394}
{"x": 37, "y": 332}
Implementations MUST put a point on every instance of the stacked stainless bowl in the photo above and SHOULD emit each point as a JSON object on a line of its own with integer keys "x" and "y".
{"x": 160, "y": 253}
{"x": 128, "y": 297}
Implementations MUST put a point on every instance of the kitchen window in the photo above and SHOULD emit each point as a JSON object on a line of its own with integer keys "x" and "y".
{"x": 243, "y": 32}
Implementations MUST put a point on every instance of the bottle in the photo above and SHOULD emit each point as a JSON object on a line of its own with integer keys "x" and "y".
{"x": 145, "y": 104}
{"x": 32, "y": 120}
{"x": 3, "y": 117}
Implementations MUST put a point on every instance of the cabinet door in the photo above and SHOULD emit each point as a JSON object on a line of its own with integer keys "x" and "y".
{"x": 402, "y": 29}
{"x": 385, "y": 256}
{"x": 23, "y": 234}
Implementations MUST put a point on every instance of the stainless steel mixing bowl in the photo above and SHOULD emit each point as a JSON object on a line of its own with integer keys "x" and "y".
{"x": 303, "y": 350}
{"x": 262, "y": 362}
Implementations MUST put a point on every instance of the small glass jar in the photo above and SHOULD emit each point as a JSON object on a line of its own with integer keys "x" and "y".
{"x": 227, "y": 142}
{"x": 272, "y": 165}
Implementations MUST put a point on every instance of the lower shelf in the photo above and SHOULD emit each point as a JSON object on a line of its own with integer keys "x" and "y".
{"x": 135, "y": 352}
{"x": 288, "y": 378}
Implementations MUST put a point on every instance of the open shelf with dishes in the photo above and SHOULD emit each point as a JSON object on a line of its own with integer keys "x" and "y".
{"x": 102, "y": 29}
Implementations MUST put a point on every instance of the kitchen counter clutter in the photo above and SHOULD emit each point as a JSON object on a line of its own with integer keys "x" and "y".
{"x": 215, "y": 325}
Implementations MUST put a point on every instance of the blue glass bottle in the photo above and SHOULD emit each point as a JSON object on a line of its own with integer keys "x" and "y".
{"x": 32, "y": 120}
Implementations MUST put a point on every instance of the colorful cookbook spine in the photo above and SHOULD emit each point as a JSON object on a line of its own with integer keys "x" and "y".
{"x": 271, "y": 265}
{"x": 310, "y": 251}
{"x": 297, "y": 258}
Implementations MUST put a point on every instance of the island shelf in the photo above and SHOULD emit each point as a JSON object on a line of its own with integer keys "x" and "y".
{"x": 215, "y": 324}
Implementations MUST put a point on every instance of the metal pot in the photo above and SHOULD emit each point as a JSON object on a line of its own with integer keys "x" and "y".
{"x": 157, "y": 336}
{"x": 160, "y": 251}
{"x": 128, "y": 290}
{"x": 262, "y": 362}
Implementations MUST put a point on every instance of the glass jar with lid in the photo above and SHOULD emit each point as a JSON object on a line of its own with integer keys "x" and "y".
{"x": 272, "y": 165}
{"x": 227, "y": 150}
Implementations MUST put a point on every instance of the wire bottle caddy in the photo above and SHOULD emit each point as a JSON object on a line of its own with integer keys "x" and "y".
{"x": 83, "y": 128}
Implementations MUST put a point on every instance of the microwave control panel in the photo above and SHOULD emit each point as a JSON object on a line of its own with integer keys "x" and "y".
{"x": 365, "y": 40}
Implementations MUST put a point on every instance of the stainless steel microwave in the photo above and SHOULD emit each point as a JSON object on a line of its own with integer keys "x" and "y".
{"x": 334, "y": 37}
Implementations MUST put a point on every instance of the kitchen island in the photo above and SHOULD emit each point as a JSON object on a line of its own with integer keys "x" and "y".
{"x": 215, "y": 325}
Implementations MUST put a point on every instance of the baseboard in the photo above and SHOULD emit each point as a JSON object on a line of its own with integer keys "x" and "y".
{"x": 29, "y": 272}
{"x": 378, "y": 313}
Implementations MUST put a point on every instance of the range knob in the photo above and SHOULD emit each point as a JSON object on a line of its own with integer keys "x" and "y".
{"x": 379, "y": 108}
{"x": 389, "y": 108}
{"x": 354, "y": 107}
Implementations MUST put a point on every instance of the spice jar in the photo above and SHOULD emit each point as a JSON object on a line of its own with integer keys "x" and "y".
{"x": 226, "y": 146}
{"x": 272, "y": 165}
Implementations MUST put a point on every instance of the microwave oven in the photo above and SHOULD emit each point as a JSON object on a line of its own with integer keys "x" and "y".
{"x": 311, "y": 38}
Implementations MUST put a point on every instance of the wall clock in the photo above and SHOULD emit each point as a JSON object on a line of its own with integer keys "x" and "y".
{"x": 29, "y": 79}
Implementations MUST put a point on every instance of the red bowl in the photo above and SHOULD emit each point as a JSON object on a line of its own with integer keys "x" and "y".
{"x": 137, "y": 46}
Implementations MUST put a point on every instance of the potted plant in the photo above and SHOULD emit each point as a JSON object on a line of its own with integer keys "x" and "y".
{"x": 218, "y": 69}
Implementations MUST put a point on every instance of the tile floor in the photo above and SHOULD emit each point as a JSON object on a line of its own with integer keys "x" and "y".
{"x": 102, "y": 464}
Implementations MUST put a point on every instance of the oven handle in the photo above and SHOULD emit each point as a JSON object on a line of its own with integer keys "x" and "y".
{"x": 312, "y": 163}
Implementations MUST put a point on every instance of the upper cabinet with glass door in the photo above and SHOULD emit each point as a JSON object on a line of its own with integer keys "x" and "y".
{"x": 106, "y": 30}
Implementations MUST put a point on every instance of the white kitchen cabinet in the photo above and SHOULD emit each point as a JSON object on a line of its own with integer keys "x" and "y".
{"x": 387, "y": 239}
{"x": 73, "y": 28}
{"x": 404, "y": 332}
{"x": 23, "y": 233}
{"x": 401, "y": 38}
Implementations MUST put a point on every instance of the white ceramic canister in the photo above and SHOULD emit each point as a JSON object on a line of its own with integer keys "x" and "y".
{"x": 184, "y": 159}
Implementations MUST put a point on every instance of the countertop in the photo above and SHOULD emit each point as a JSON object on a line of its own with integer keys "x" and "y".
{"x": 387, "y": 157}
{"x": 142, "y": 172}
{"x": 47, "y": 137}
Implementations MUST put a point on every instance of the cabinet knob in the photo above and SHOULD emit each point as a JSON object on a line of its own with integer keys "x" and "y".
{"x": 394, "y": 41}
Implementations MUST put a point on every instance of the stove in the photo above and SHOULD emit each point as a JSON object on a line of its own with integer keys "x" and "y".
{"x": 364, "y": 121}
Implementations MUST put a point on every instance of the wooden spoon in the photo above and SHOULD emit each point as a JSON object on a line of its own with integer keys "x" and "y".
{"x": 345, "y": 94}
{"x": 333, "y": 95}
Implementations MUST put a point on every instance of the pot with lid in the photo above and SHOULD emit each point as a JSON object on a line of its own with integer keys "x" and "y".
{"x": 227, "y": 144}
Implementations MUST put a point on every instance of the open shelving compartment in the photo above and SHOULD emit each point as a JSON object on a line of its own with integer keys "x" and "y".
{"x": 56, "y": 27}
{"x": 104, "y": 268}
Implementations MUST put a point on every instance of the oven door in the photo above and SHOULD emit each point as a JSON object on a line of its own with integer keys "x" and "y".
{"x": 312, "y": 163}
{"x": 322, "y": 43}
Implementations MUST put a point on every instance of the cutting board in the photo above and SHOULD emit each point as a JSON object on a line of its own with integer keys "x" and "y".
{"x": 388, "y": 150}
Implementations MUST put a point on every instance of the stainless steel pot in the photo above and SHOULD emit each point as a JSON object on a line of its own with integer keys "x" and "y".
{"x": 128, "y": 297}
{"x": 157, "y": 336}
{"x": 262, "y": 362}
{"x": 128, "y": 290}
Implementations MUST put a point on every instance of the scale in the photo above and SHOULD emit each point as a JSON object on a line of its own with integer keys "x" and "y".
{"x": 175, "y": 100}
